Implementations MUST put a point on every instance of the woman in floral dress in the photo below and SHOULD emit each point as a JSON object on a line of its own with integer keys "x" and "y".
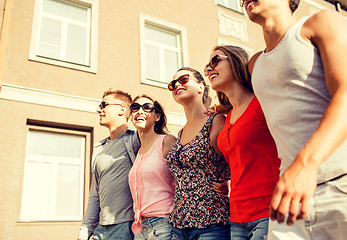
{"x": 195, "y": 161}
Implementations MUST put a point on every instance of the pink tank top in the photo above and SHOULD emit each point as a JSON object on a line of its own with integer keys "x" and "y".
{"x": 152, "y": 185}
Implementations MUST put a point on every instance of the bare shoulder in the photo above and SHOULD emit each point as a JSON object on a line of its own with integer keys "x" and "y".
{"x": 252, "y": 61}
{"x": 216, "y": 128}
{"x": 324, "y": 24}
{"x": 169, "y": 140}
{"x": 217, "y": 124}
{"x": 218, "y": 119}
{"x": 324, "y": 17}
{"x": 327, "y": 31}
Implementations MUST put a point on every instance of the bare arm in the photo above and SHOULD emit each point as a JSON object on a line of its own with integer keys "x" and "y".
{"x": 217, "y": 126}
{"x": 326, "y": 30}
{"x": 168, "y": 143}
{"x": 251, "y": 62}
{"x": 220, "y": 185}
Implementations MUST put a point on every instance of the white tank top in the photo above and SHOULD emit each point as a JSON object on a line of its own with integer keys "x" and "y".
{"x": 290, "y": 85}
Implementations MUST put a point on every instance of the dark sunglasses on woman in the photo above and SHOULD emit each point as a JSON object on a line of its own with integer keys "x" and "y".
{"x": 182, "y": 80}
{"x": 213, "y": 63}
{"x": 146, "y": 107}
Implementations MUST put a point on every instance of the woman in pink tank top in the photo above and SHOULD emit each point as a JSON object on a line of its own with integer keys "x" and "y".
{"x": 151, "y": 182}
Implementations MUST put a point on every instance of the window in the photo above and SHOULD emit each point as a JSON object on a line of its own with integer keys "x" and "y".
{"x": 53, "y": 186}
{"x": 64, "y": 33}
{"x": 231, "y": 4}
{"x": 163, "y": 47}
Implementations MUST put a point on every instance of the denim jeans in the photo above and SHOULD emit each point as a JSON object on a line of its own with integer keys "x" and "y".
{"x": 120, "y": 231}
{"x": 255, "y": 230}
{"x": 212, "y": 232}
{"x": 326, "y": 217}
{"x": 156, "y": 228}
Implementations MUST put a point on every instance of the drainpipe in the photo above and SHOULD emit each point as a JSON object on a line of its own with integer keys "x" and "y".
{"x": 4, "y": 31}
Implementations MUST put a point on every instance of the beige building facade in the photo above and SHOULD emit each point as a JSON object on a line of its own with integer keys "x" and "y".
{"x": 57, "y": 57}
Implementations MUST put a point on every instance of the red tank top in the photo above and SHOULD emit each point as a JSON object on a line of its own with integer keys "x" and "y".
{"x": 251, "y": 153}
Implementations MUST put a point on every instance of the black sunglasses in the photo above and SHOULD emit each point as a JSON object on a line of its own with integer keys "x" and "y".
{"x": 146, "y": 107}
{"x": 182, "y": 80}
{"x": 104, "y": 104}
{"x": 213, "y": 63}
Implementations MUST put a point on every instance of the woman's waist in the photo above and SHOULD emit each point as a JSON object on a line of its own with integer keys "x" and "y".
{"x": 162, "y": 207}
{"x": 250, "y": 204}
{"x": 191, "y": 203}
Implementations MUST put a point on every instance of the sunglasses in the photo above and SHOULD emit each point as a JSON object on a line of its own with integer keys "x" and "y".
{"x": 104, "y": 104}
{"x": 213, "y": 63}
{"x": 146, "y": 107}
{"x": 182, "y": 80}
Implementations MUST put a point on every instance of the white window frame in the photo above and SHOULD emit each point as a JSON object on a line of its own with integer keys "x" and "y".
{"x": 55, "y": 161}
{"x": 226, "y": 4}
{"x": 92, "y": 5}
{"x": 181, "y": 31}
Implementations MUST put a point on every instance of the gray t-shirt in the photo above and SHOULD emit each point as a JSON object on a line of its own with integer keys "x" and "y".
{"x": 112, "y": 167}
{"x": 110, "y": 200}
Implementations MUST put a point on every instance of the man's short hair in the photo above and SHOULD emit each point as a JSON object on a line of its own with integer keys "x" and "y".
{"x": 122, "y": 96}
{"x": 118, "y": 94}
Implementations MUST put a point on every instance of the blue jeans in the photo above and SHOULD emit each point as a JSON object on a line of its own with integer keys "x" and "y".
{"x": 256, "y": 230}
{"x": 212, "y": 232}
{"x": 156, "y": 228}
{"x": 120, "y": 231}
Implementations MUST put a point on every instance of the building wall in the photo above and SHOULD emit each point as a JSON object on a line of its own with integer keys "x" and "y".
{"x": 44, "y": 93}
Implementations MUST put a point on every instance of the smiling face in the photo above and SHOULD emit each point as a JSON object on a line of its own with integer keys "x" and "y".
{"x": 249, "y": 4}
{"x": 259, "y": 11}
{"x": 221, "y": 75}
{"x": 189, "y": 90}
{"x": 144, "y": 120}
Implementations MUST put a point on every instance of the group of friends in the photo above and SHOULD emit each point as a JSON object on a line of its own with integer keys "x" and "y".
{"x": 269, "y": 162}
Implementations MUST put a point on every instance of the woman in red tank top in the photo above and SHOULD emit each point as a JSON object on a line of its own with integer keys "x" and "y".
{"x": 245, "y": 142}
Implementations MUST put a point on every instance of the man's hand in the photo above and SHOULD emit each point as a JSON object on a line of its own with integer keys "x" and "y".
{"x": 293, "y": 192}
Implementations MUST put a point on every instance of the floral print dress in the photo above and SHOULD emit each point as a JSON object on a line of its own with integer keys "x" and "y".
{"x": 195, "y": 166}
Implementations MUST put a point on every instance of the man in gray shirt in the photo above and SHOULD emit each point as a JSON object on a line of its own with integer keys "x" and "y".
{"x": 110, "y": 213}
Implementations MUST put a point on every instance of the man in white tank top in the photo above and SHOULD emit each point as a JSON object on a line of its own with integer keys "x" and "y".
{"x": 301, "y": 83}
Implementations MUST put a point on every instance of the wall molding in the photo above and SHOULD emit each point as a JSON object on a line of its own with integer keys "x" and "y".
{"x": 233, "y": 27}
{"x": 60, "y": 100}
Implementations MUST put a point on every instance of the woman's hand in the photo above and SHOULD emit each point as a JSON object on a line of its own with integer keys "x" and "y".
{"x": 210, "y": 110}
{"x": 221, "y": 186}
